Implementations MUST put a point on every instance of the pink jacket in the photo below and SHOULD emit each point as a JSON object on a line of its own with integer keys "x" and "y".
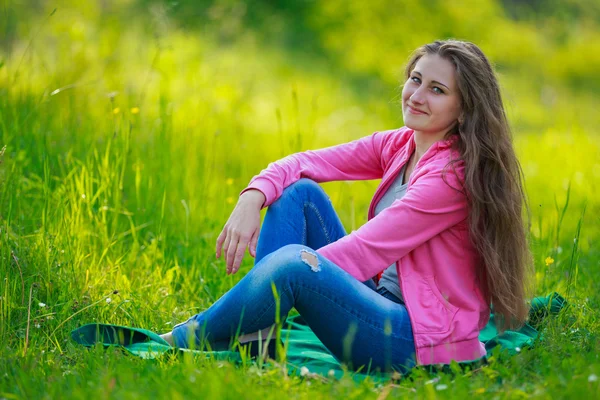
{"x": 425, "y": 233}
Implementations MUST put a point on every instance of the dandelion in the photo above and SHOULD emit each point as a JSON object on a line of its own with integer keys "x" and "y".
{"x": 549, "y": 260}
{"x": 116, "y": 110}
{"x": 108, "y": 300}
{"x": 135, "y": 110}
{"x": 229, "y": 181}
{"x": 42, "y": 305}
{"x": 441, "y": 386}
{"x": 230, "y": 200}
{"x": 304, "y": 371}
{"x": 592, "y": 378}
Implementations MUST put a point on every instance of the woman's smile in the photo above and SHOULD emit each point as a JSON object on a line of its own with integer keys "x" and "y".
{"x": 415, "y": 111}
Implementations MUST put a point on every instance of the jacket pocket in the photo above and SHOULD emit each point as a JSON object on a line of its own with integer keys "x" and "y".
{"x": 435, "y": 314}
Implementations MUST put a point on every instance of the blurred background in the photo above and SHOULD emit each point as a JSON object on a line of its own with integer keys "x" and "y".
{"x": 131, "y": 127}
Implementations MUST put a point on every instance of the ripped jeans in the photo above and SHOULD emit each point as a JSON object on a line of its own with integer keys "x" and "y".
{"x": 359, "y": 326}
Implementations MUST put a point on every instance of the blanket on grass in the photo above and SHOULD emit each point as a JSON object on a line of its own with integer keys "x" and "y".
{"x": 304, "y": 349}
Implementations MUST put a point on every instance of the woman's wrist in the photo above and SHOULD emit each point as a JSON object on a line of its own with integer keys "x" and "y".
{"x": 253, "y": 197}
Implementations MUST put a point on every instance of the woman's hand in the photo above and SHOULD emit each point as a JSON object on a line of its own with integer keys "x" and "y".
{"x": 241, "y": 230}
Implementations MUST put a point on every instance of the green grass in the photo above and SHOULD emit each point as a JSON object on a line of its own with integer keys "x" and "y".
{"x": 98, "y": 201}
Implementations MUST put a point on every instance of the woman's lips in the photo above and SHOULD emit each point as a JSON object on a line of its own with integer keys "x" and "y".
{"x": 415, "y": 111}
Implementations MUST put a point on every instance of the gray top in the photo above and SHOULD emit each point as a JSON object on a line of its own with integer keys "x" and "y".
{"x": 396, "y": 191}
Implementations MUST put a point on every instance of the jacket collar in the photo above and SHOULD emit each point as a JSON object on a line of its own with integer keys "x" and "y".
{"x": 435, "y": 147}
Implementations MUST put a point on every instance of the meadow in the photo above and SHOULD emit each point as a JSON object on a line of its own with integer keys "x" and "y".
{"x": 128, "y": 129}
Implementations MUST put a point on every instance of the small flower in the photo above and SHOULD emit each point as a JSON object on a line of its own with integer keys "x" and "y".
{"x": 229, "y": 181}
{"x": 116, "y": 110}
{"x": 331, "y": 373}
{"x": 42, "y": 305}
{"x": 229, "y": 200}
{"x": 441, "y": 386}
{"x": 38, "y": 325}
{"x": 518, "y": 349}
{"x": 83, "y": 195}
{"x": 549, "y": 260}
{"x": 108, "y": 300}
{"x": 135, "y": 110}
{"x": 304, "y": 371}
{"x": 593, "y": 378}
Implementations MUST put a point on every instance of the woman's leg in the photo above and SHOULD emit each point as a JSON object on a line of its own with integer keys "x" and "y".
{"x": 355, "y": 323}
{"x": 303, "y": 214}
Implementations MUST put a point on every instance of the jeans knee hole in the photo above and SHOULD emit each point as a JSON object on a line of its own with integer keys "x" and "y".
{"x": 311, "y": 260}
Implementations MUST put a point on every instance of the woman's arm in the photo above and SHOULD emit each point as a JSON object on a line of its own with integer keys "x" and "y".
{"x": 360, "y": 159}
{"x": 364, "y": 158}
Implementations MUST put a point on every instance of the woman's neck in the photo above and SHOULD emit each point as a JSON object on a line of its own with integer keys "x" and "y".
{"x": 423, "y": 141}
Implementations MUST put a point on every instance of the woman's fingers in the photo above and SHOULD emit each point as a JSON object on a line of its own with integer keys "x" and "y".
{"x": 226, "y": 246}
{"x": 239, "y": 254}
{"x": 231, "y": 248}
{"x": 220, "y": 241}
{"x": 253, "y": 243}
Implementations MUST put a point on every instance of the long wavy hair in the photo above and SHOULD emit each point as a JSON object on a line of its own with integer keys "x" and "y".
{"x": 493, "y": 181}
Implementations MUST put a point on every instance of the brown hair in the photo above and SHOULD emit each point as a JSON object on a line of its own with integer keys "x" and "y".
{"x": 493, "y": 181}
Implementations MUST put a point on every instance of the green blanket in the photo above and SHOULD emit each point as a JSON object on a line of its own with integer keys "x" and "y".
{"x": 303, "y": 348}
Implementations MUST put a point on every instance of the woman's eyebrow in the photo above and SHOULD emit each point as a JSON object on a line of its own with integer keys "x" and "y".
{"x": 439, "y": 83}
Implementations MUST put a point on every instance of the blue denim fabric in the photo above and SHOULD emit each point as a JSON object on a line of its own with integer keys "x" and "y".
{"x": 360, "y": 326}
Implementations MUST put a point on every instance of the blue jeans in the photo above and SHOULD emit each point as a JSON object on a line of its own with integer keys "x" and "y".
{"x": 360, "y": 326}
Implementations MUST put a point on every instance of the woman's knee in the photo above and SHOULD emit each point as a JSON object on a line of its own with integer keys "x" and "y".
{"x": 290, "y": 259}
{"x": 306, "y": 188}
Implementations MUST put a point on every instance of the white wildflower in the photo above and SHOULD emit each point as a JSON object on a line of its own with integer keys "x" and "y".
{"x": 304, "y": 371}
{"x": 441, "y": 386}
{"x": 593, "y": 378}
{"x": 108, "y": 300}
{"x": 518, "y": 349}
{"x": 83, "y": 195}
{"x": 38, "y": 326}
{"x": 434, "y": 380}
{"x": 331, "y": 373}
{"x": 42, "y": 305}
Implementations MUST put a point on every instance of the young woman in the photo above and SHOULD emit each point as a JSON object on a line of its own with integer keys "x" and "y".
{"x": 444, "y": 240}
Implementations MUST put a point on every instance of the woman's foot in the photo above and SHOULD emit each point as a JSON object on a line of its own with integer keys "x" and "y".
{"x": 168, "y": 337}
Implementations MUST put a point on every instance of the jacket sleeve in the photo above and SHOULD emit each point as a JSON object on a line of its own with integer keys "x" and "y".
{"x": 360, "y": 159}
{"x": 429, "y": 207}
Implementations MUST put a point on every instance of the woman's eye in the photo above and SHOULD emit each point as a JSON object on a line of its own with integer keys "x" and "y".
{"x": 438, "y": 90}
{"x": 415, "y": 79}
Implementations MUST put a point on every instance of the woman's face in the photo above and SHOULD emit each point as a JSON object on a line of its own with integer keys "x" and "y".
{"x": 430, "y": 97}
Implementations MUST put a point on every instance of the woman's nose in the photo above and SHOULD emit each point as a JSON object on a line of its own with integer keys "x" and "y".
{"x": 418, "y": 97}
